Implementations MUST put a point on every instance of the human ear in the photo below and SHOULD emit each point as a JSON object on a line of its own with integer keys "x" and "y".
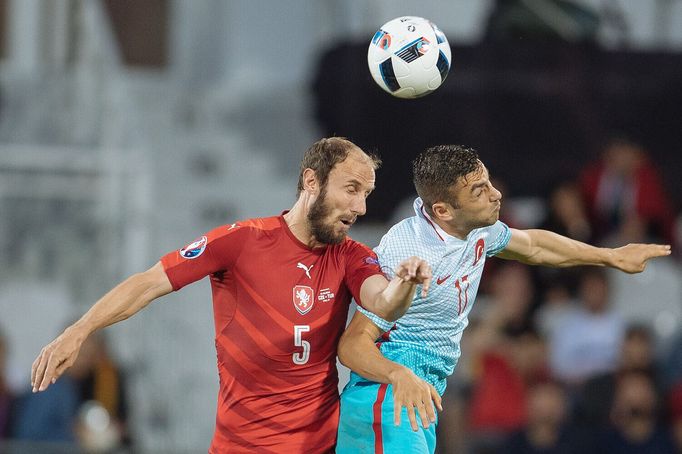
{"x": 442, "y": 211}
{"x": 310, "y": 183}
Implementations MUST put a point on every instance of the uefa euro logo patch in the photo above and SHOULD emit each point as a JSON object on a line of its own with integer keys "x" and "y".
{"x": 195, "y": 248}
{"x": 303, "y": 298}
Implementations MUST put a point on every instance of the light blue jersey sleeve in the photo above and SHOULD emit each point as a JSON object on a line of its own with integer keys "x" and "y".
{"x": 500, "y": 234}
{"x": 389, "y": 260}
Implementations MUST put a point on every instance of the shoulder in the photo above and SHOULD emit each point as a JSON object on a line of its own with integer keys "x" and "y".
{"x": 351, "y": 246}
{"x": 251, "y": 227}
{"x": 259, "y": 224}
{"x": 410, "y": 231}
{"x": 492, "y": 229}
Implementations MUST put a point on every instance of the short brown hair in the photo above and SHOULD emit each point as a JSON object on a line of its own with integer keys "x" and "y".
{"x": 324, "y": 154}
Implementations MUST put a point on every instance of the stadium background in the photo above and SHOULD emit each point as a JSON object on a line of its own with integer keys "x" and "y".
{"x": 128, "y": 128}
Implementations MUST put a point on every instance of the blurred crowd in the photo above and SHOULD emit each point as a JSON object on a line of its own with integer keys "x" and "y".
{"x": 557, "y": 361}
{"x": 84, "y": 411}
{"x": 554, "y": 361}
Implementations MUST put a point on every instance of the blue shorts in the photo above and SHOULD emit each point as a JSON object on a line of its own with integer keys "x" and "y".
{"x": 366, "y": 423}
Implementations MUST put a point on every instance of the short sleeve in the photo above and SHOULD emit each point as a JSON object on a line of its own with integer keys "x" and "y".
{"x": 210, "y": 253}
{"x": 361, "y": 263}
{"x": 499, "y": 235}
{"x": 383, "y": 325}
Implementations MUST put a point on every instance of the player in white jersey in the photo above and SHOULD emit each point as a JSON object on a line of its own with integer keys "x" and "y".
{"x": 455, "y": 227}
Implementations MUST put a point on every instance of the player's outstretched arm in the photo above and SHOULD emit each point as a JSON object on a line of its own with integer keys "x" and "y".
{"x": 390, "y": 300}
{"x": 121, "y": 302}
{"x": 542, "y": 247}
{"x": 358, "y": 352}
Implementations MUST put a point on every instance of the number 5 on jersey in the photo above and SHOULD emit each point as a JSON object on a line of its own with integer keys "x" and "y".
{"x": 301, "y": 357}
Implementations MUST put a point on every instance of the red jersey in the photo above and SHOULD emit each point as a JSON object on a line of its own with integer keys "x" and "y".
{"x": 280, "y": 308}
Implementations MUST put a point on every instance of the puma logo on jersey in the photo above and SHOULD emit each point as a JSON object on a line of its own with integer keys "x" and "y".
{"x": 232, "y": 226}
{"x": 307, "y": 269}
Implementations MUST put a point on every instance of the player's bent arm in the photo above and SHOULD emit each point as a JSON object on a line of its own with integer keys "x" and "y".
{"x": 357, "y": 351}
{"x": 390, "y": 300}
{"x": 123, "y": 301}
{"x": 542, "y": 247}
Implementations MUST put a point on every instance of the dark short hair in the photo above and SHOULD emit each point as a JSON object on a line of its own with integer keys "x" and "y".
{"x": 438, "y": 168}
{"x": 324, "y": 154}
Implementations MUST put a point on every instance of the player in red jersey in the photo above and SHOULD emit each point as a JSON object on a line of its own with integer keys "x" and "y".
{"x": 281, "y": 291}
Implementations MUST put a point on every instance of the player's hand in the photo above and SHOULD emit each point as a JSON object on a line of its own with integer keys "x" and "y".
{"x": 54, "y": 359}
{"x": 413, "y": 393}
{"x": 633, "y": 258}
{"x": 416, "y": 271}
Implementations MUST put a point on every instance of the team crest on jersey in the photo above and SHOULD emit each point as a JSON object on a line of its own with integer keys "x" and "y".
{"x": 478, "y": 250}
{"x": 304, "y": 297}
{"x": 195, "y": 248}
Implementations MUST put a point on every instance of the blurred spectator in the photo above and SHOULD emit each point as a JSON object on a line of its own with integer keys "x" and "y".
{"x": 634, "y": 419}
{"x": 637, "y": 355}
{"x": 48, "y": 416}
{"x": 509, "y": 299}
{"x": 5, "y": 394}
{"x": 452, "y": 428}
{"x": 672, "y": 367}
{"x": 557, "y": 303}
{"x": 499, "y": 397}
{"x": 99, "y": 380}
{"x": 676, "y": 415}
{"x": 546, "y": 430}
{"x": 567, "y": 214}
{"x": 587, "y": 342}
{"x": 60, "y": 413}
{"x": 494, "y": 363}
{"x": 626, "y": 197}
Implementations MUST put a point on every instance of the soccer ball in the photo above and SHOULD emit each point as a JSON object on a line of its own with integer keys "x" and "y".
{"x": 409, "y": 57}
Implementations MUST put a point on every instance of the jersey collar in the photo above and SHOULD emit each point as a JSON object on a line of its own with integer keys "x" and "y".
{"x": 318, "y": 250}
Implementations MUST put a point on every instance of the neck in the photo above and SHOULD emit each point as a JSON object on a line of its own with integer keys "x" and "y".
{"x": 454, "y": 229}
{"x": 297, "y": 221}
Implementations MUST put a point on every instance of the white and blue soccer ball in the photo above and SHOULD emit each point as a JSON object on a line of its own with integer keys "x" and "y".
{"x": 409, "y": 57}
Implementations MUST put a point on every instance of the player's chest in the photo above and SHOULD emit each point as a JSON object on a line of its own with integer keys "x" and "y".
{"x": 300, "y": 284}
{"x": 457, "y": 274}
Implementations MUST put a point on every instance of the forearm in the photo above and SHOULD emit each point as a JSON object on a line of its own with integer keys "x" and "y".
{"x": 360, "y": 354}
{"x": 394, "y": 300}
{"x": 120, "y": 303}
{"x": 551, "y": 249}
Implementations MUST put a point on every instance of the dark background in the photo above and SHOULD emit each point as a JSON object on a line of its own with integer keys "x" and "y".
{"x": 529, "y": 108}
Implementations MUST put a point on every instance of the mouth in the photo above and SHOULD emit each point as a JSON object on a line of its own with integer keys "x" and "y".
{"x": 347, "y": 221}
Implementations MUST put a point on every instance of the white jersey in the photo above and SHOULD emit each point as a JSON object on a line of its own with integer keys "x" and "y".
{"x": 427, "y": 338}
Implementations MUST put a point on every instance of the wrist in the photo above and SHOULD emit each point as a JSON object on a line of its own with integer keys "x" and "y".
{"x": 397, "y": 372}
{"x": 610, "y": 257}
{"x": 79, "y": 331}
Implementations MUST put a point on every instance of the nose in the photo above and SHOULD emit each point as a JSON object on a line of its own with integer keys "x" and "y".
{"x": 496, "y": 195}
{"x": 359, "y": 206}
